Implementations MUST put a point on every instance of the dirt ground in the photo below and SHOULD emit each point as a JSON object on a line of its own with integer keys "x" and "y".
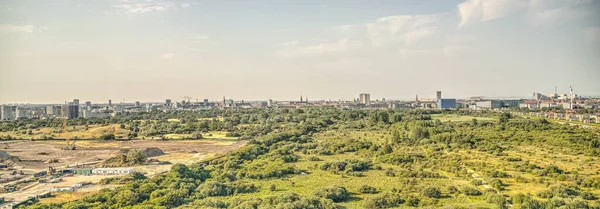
{"x": 33, "y": 156}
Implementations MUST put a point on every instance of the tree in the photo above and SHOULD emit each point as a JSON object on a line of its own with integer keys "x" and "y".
{"x": 136, "y": 157}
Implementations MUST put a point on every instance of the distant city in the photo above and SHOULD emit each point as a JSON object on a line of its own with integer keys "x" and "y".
{"x": 75, "y": 109}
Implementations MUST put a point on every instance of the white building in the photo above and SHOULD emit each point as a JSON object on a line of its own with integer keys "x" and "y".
{"x": 365, "y": 99}
{"x": 112, "y": 171}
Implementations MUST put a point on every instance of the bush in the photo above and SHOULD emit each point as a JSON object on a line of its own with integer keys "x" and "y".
{"x": 413, "y": 201}
{"x": 383, "y": 201}
{"x": 107, "y": 137}
{"x": 497, "y": 184}
{"x": 197, "y": 135}
{"x": 470, "y": 191}
{"x": 431, "y": 192}
{"x": 367, "y": 189}
{"x": 335, "y": 193}
{"x": 273, "y": 187}
{"x": 587, "y": 195}
{"x": 452, "y": 189}
{"x": 313, "y": 158}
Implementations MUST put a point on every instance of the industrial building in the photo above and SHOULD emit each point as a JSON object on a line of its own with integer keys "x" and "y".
{"x": 446, "y": 103}
{"x": 365, "y": 99}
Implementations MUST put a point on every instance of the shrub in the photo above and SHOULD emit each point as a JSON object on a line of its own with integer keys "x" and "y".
{"x": 367, "y": 189}
{"x": 431, "y": 192}
{"x": 587, "y": 195}
{"x": 335, "y": 193}
{"x": 383, "y": 201}
{"x": 497, "y": 184}
{"x": 273, "y": 187}
{"x": 451, "y": 189}
{"x": 313, "y": 158}
{"x": 390, "y": 172}
{"x": 413, "y": 201}
{"x": 470, "y": 191}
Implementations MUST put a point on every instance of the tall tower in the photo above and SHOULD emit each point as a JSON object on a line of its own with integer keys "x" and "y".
{"x": 416, "y": 98}
{"x": 571, "y": 95}
{"x": 438, "y": 95}
{"x": 300, "y": 98}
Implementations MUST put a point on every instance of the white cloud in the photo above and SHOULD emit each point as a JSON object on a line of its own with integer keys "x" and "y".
{"x": 141, "y": 7}
{"x": 199, "y": 38}
{"x": 407, "y": 28}
{"x": 543, "y": 12}
{"x": 7, "y": 28}
{"x": 539, "y": 11}
{"x": 592, "y": 34}
{"x": 475, "y": 11}
{"x": 291, "y": 49}
{"x": 415, "y": 35}
{"x": 168, "y": 55}
{"x": 184, "y": 5}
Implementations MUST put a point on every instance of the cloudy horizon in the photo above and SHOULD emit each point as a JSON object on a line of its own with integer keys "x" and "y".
{"x": 151, "y": 50}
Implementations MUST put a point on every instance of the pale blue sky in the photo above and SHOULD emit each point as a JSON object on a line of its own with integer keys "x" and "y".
{"x": 149, "y": 50}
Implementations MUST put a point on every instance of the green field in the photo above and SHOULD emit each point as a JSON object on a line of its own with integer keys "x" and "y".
{"x": 333, "y": 158}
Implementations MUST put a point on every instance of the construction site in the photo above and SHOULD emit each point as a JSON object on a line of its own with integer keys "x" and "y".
{"x": 33, "y": 169}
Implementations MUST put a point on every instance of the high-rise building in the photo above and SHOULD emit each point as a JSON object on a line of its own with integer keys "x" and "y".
{"x": 76, "y": 102}
{"x": 168, "y": 102}
{"x": 438, "y": 95}
{"x": 71, "y": 111}
{"x": 8, "y": 112}
{"x": 137, "y": 103}
{"x": 365, "y": 99}
{"x": 21, "y": 113}
{"x": 109, "y": 102}
{"x": 88, "y": 104}
{"x": 270, "y": 103}
{"x": 53, "y": 110}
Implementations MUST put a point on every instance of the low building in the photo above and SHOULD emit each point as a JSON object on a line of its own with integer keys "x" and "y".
{"x": 446, "y": 103}
{"x": 512, "y": 103}
{"x": 112, "y": 171}
{"x": 490, "y": 104}
{"x": 82, "y": 171}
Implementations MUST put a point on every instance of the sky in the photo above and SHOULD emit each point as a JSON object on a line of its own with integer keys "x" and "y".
{"x": 152, "y": 50}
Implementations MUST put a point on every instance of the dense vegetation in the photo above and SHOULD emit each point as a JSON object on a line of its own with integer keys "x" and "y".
{"x": 334, "y": 158}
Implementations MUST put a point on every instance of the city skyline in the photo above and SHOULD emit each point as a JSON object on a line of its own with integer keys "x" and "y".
{"x": 150, "y": 50}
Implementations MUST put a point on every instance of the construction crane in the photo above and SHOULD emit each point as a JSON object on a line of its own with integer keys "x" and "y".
{"x": 69, "y": 146}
